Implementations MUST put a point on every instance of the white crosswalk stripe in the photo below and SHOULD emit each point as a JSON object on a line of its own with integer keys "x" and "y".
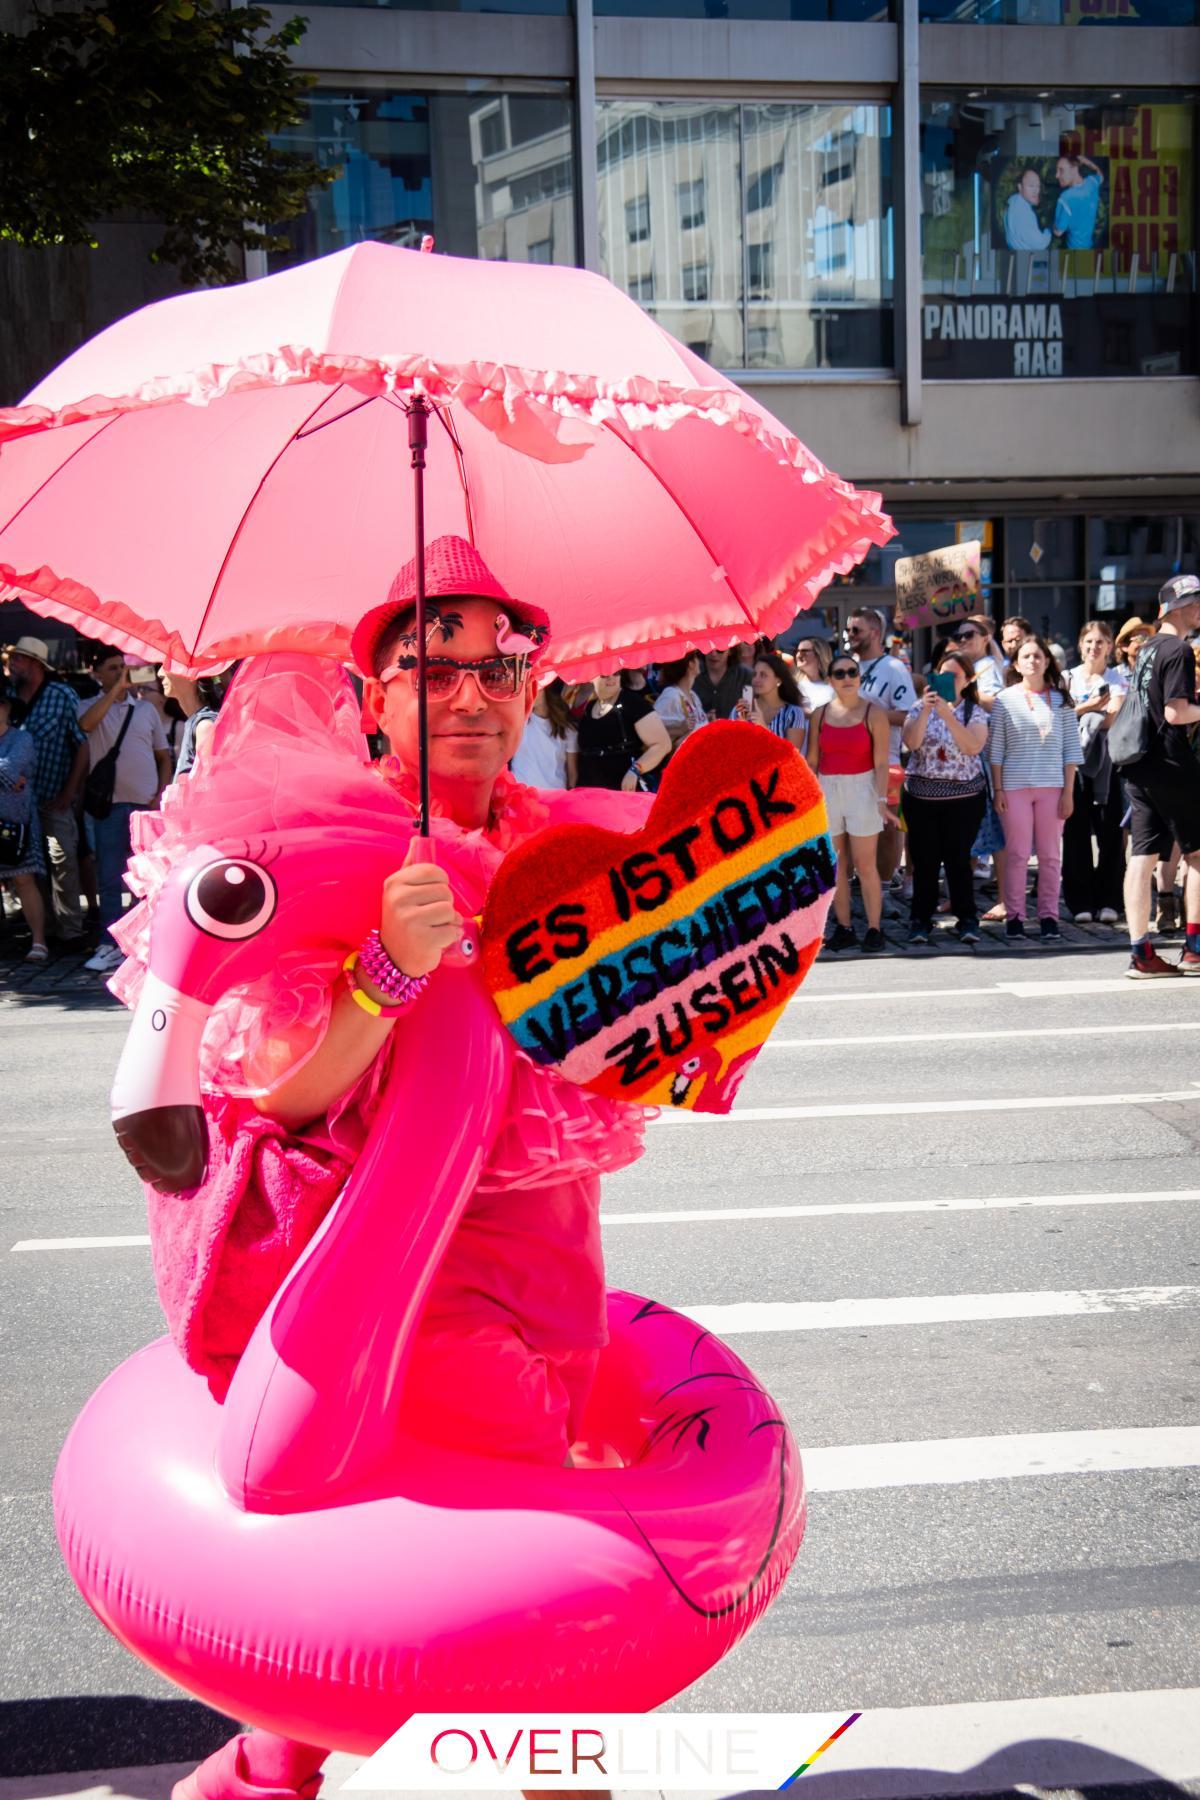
{"x": 931, "y": 1309}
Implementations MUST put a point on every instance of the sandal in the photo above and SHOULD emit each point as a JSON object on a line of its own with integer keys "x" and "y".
{"x": 38, "y": 954}
{"x": 995, "y": 915}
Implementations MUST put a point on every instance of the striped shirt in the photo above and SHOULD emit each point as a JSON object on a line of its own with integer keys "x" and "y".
{"x": 1033, "y": 738}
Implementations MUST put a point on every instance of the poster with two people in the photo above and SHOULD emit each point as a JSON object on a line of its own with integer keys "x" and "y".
{"x": 1038, "y": 201}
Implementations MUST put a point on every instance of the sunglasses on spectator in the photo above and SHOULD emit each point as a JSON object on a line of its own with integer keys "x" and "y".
{"x": 964, "y": 637}
{"x": 846, "y": 673}
{"x": 497, "y": 677}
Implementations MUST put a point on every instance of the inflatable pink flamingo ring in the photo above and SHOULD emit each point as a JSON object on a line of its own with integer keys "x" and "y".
{"x": 287, "y": 1556}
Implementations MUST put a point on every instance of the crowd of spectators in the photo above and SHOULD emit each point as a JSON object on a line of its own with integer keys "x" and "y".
{"x": 989, "y": 760}
{"x": 80, "y": 753}
{"x": 966, "y": 768}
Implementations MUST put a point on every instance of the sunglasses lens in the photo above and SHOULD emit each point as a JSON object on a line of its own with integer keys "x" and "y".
{"x": 498, "y": 679}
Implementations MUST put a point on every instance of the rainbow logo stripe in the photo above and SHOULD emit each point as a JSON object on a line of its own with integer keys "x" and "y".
{"x": 831, "y": 1739}
{"x": 651, "y": 967}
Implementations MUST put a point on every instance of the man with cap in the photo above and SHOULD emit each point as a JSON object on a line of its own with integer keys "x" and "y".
{"x": 49, "y": 715}
{"x": 1164, "y": 785}
{"x": 506, "y": 1348}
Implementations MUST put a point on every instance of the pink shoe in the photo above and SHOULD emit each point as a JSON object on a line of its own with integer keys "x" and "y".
{"x": 222, "y": 1776}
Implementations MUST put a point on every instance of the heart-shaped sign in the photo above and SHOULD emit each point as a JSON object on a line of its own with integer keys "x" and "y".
{"x": 650, "y": 967}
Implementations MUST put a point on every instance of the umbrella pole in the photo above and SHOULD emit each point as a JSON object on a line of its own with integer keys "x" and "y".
{"x": 418, "y": 439}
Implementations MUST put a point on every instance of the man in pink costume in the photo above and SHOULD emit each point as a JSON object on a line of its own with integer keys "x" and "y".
{"x": 507, "y": 1345}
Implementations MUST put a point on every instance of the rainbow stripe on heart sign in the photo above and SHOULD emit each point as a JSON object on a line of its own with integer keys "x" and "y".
{"x": 651, "y": 967}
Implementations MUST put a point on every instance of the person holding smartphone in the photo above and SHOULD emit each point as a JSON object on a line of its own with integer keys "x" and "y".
{"x": 1093, "y": 880}
{"x": 945, "y": 792}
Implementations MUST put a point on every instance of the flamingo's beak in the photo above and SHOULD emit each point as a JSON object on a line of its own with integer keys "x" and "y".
{"x": 156, "y": 1109}
{"x": 167, "y": 1145}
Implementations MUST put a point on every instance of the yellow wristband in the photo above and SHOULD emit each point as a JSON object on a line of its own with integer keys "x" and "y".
{"x": 364, "y": 1000}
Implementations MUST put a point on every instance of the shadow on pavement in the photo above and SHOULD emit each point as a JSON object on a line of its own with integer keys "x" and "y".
{"x": 1049, "y": 1765}
{"x": 105, "y": 1731}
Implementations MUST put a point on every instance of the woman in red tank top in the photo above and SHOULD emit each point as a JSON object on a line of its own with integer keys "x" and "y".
{"x": 848, "y": 751}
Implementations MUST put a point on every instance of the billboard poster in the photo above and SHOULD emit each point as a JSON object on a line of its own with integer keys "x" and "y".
{"x": 1042, "y": 201}
{"x": 1088, "y": 261}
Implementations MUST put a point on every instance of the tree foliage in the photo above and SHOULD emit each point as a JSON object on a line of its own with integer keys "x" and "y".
{"x": 161, "y": 107}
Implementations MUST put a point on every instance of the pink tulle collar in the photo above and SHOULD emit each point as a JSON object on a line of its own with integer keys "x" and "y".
{"x": 516, "y": 813}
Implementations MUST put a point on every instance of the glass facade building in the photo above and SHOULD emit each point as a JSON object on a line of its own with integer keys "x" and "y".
{"x": 960, "y": 265}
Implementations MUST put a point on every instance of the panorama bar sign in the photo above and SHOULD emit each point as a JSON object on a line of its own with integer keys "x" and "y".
{"x": 1033, "y": 328}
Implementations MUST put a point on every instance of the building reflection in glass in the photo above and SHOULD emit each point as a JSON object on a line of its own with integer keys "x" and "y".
{"x": 758, "y": 234}
{"x": 487, "y": 175}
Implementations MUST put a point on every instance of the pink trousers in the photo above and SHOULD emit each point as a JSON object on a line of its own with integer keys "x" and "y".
{"x": 1031, "y": 819}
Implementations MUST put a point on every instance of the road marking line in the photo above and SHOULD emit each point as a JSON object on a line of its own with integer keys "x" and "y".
{"x": 944, "y": 1462}
{"x": 887, "y": 1109}
{"x": 834, "y": 1209}
{"x": 723, "y": 1214}
{"x": 81, "y": 1130}
{"x": 1098, "y": 984}
{"x": 80, "y": 1243}
{"x": 974, "y": 1037}
{"x": 932, "y": 1309}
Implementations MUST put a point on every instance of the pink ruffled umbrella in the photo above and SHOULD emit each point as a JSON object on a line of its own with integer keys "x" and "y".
{"x": 227, "y": 472}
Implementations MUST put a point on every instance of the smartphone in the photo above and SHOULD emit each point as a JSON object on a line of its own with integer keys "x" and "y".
{"x": 142, "y": 676}
{"x": 943, "y": 685}
{"x": 1102, "y": 692}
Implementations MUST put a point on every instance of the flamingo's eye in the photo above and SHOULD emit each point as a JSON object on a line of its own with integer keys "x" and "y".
{"x": 231, "y": 899}
{"x": 691, "y": 1066}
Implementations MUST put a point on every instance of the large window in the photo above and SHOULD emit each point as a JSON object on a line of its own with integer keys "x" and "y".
{"x": 1058, "y": 236}
{"x": 1058, "y": 12}
{"x": 558, "y": 7}
{"x": 489, "y": 174}
{"x": 1129, "y": 558}
{"x": 737, "y": 10}
{"x": 760, "y": 235}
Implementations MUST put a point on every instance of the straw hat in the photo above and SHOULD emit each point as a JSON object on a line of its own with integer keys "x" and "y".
{"x": 35, "y": 648}
{"x": 1133, "y": 628}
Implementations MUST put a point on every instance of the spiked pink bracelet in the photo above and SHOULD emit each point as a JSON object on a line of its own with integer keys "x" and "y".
{"x": 382, "y": 973}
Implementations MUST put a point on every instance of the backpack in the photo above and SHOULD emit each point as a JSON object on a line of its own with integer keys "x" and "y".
{"x": 1132, "y": 731}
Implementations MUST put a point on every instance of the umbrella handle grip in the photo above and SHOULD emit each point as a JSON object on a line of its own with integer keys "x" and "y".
{"x": 464, "y": 954}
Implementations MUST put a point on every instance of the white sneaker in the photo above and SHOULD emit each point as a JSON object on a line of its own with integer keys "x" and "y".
{"x": 1108, "y": 916}
{"x": 1083, "y": 918}
{"x": 107, "y": 958}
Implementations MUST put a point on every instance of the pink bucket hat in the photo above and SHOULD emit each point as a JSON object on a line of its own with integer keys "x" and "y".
{"x": 452, "y": 567}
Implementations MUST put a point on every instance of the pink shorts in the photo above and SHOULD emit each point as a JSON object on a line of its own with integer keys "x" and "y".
{"x": 486, "y": 1390}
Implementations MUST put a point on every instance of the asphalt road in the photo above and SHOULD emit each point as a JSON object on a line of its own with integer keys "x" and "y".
{"x": 999, "y": 1404}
